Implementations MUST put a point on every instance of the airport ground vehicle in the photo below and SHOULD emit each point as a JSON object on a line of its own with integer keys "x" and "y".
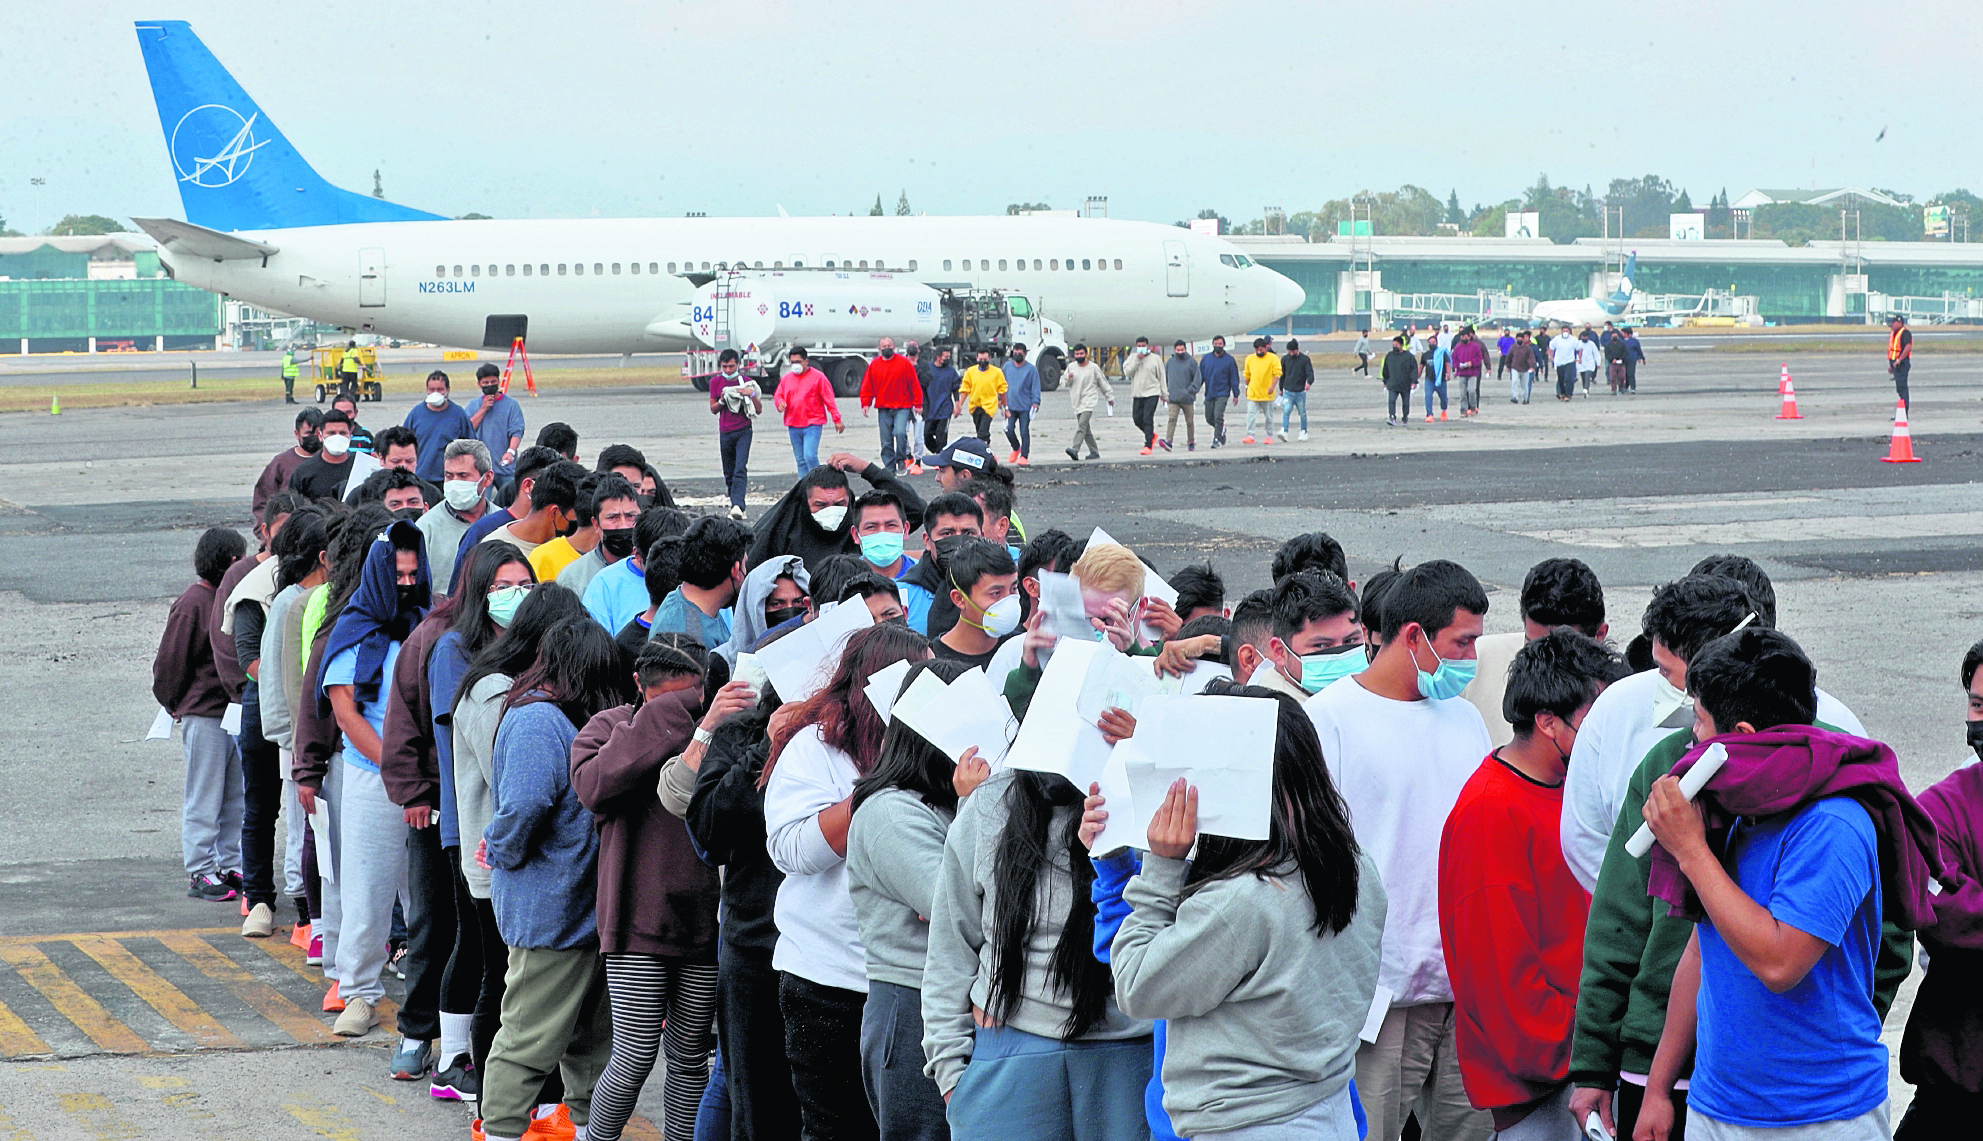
{"x": 323, "y": 371}
{"x": 839, "y": 317}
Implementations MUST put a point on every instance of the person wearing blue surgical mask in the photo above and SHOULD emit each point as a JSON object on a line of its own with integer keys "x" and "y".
{"x": 1299, "y": 637}
{"x": 1400, "y": 745}
{"x": 880, "y": 525}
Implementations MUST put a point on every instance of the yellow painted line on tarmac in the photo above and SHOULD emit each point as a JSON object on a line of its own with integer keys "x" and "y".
{"x": 17, "y": 940}
{"x": 152, "y": 988}
{"x": 17, "y": 1041}
{"x": 326, "y": 1121}
{"x": 70, "y": 1001}
{"x": 264, "y": 999}
{"x": 97, "y": 1116}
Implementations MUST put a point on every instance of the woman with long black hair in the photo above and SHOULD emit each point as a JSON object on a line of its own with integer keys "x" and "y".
{"x": 1261, "y": 955}
{"x": 477, "y": 710}
{"x": 1021, "y": 1032}
{"x": 901, "y": 812}
{"x": 542, "y": 851}
{"x": 818, "y": 750}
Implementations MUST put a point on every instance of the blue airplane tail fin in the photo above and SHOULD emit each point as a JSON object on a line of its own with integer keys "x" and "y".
{"x": 235, "y": 170}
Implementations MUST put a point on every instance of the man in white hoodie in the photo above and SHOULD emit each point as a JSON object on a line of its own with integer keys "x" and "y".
{"x": 1088, "y": 388}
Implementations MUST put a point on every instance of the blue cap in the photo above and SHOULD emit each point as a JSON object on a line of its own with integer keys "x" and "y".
{"x": 969, "y": 452}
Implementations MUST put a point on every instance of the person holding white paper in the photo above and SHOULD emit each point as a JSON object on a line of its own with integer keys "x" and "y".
{"x": 822, "y": 746}
{"x": 1299, "y": 636}
{"x": 984, "y": 587}
{"x": 1400, "y": 743}
{"x": 901, "y": 813}
{"x": 1111, "y": 579}
{"x": 1263, "y": 992}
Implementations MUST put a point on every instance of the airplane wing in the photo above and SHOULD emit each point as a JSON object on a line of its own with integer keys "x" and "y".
{"x": 184, "y": 237}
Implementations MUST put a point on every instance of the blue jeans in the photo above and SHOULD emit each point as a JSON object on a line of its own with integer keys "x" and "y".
{"x": 1297, "y": 402}
{"x": 1430, "y": 386}
{"x": 894, "y": 435}
{"x": 735, "y": 448}
{"x": 1022, "y": 1085}
{"x": 712, "y": 1117}
{"x": 805, "y": 446}
{"x": 1019, "y": 431}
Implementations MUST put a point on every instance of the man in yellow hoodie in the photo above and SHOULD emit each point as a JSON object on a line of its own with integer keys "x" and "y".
{"x": 1262, "y": 373}
{"x": 983, "y": 389}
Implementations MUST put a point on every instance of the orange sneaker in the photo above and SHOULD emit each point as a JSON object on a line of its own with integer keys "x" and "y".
{"x": 1144, "y": 452}
{"x": 1246, "y": 440}
{"x": 475, "y": 1131}
{"x": 1428, "y": 417}
{"x": 553, "y": 1126}
{"x": 1442, "y": 414}
{"x": 1269, "y": 441}
{"x": 299, "y": 936}
{"x": 1014, "y": 457}
{"x": 332, "y": 1003}
{"x": 915, "y": 469}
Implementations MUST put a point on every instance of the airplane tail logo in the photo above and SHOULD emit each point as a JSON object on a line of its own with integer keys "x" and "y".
{"x": 1621, "y": 298}
{"x": 234, "y": 168}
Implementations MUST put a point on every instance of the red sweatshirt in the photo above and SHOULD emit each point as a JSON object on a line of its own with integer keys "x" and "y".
{"x": 890, "y": 382}
{"x": 1511, "y": 918}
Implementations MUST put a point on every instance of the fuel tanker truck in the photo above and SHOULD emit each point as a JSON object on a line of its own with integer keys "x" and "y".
{"x": 839, "y": 318}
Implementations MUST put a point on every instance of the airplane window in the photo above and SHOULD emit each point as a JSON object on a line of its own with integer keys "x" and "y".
{"x": 1001, "y": 263}
{"x": 543, "y": 269}
{"x": 1053, "y": 263}
{"x": 946, "y": 263}
{"x": 1100, "y": 263}
{"x": 705, "y": 266}
{"x": 864, "y": 263}
{"x": 1084, "y": 263}
{"x": 798, "y": 263}
{"x": 655, "y": 267}
{"x": 912, "y": 265}
{"x": 757, "y": 265}
{"x": 561, "y": 269}
{"x": 598, "y": 268}
{"x": 440, "y": 271}
{"x": 526, "y": 269}
{"x": 632, "y": 267}
{"x": 984, "y": 263}
{"x": 616, "y": 267}
{"x": 475, "y": 271}
{"x": 457, "y": 271}
{"x": 578, "y": 269}
{"x": 1118, "y": 263}
{"x": 1036, "y": 263}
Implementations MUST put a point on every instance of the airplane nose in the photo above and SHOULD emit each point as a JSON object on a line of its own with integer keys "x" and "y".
{"x": 1288, "y": 296}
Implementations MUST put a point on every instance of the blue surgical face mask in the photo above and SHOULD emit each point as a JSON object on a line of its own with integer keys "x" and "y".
{"x": 882, "y": 548}
{"x": 1449, "y": 679}
{"x": 1321, "y": 670}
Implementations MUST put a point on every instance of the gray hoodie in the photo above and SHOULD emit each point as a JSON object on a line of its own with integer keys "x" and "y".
{"x": 747, "y": 624}
{"x": 1263, "y": 1016}
{"x": 1182, "y": 380}
{"x": 958, "y": 971}
{"x": 894, "y": 853}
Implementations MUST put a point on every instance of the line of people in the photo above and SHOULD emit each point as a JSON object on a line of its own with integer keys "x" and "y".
{"x": 609, "y": 834}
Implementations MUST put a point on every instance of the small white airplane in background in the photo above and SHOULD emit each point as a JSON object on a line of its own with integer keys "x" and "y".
{"x": 1591, "y": 310}
{"x": 264, "y": 227}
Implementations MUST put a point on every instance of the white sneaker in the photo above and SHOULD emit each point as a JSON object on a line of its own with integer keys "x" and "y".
{"x": 1304, "y": 434}
{"x": 259, "y": 924}
{"x": 1284, "y": 435}
{"x": 737, "y": 513}
{"x": 357, "y": 1020}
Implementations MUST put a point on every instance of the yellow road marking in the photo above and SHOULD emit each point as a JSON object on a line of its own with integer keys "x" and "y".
{"x": 163, "y": 1083}
{"x": 160, "y": 995}
{"x": 78, "y": 1102}
{"x": 12, "y": 940}
{"x": 263, "y": 998}
{"x": 70, "y": 1001}
{"x": 326, "y": 1121}
{"x": 16, "y": 1040}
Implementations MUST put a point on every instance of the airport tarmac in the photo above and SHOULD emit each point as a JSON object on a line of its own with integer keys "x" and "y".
{"x": 1878, "y": 568}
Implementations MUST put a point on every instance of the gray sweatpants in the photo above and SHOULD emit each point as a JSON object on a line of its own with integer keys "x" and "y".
{"x": 371, "y": 874}
{"x": 1084, "y": 429}
{"x": 1330, "y": 1119}
{"x": 215, "y": 800}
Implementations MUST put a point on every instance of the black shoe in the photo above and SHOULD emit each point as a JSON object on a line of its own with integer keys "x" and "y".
{"x": 234, "y": 880}
{"x": 210, "y": 888}
{"x": 458, "y": 1082}
{"x": 1094, "y": 455}
{"x": 1074, "y": 455}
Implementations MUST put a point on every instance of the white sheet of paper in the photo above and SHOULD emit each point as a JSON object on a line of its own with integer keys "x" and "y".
{"x": 1224, "y": 746}
{"x": 1202, "y": 674}
{"x": 230, "y": 718}
{"x": 320, "y": 828}
{"x": 1119, "y": 831}
{"x": 883, "y": 685}
{"x": 1060, "y": 599}
{"x": 1380, "y": 1006}
{"x": 1154, "y": 585}
{"x": 1054, "y": 738}
{"x": 968, "y": 713}
{"x": 750, "y": 671}
{"x": 1113, "y": 680}
{"x": 161, "y": 726}
{"x": 800, "y": 663}
{"x": 363, "y": 464}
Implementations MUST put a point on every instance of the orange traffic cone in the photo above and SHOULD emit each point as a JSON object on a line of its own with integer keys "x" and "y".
{"x": 1900, "y": 450}
{"x": 1789, "y": 393}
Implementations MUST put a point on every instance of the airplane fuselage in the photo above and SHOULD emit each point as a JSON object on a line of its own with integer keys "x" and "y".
{"x": 617, "y": 285}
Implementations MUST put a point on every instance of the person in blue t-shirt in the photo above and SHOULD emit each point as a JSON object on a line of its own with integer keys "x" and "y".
{"x": 437, "y": 421}
{"x": 1774, "y": 994}
{"x": 498, "y": 420}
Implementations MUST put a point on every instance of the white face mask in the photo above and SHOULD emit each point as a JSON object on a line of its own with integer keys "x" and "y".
{"x": 830, "y": 518}
{"x": 796, "y": 367}
{"x": 337, "y": 445}
{"x": 1668, "y": 703}
{"x": 1142, "y": 350}
{"x": 462, "y": 493}
{"x": 729, "y": 374}
{"x": 1003, "y": 617}
{"x": 436, "y": 399}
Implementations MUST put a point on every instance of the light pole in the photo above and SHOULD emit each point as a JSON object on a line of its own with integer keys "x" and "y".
{"x": 37, "y": 183}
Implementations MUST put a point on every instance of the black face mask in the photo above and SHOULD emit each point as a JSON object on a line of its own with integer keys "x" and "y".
{"x": 1975, "y": 732}
{"x": 782, "y": 615}
{"x": 491, "y": 389}
{"x": 410, "y": 514}
{"x": 618, "y": 541}
{"x": 409, "y": 596}
{"x": 311, "y": 444}
{"x": 946, "y": 547}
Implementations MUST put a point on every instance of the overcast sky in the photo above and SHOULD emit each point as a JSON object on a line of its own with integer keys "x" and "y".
{"x": 736, "y": 107}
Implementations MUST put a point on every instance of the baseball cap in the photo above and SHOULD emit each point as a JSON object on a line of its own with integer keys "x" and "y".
{"x": 969, "y": 452}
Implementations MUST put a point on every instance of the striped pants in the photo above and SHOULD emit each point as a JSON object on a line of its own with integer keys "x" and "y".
{"x": 655, "y": 997}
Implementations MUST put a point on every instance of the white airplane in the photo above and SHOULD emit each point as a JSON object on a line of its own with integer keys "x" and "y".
{"x": 1591, "y": 310}
{"x": 264, "y": 227}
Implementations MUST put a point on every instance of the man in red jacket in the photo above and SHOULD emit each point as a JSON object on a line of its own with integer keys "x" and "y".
{"x": 890, "y": 385}
{"x": 1511, "y": 916}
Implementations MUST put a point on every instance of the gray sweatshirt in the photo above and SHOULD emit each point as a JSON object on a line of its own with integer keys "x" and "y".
{"x": 1263, "y": 1016}
{"x": 894, "y": 853}
{"x": 474, "y": 722}
{"x": 958, "y": 971}
{"x": 278, "y": 724}
{"x": 1182, "y": 379}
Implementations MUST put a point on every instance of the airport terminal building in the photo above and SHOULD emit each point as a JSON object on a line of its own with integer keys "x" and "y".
{"x": 97, "y": 293}
{"x": 1411, "y": 278}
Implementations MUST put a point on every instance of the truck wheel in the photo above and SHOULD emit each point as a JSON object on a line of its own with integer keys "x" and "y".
{"x": 1049, "y": 372}
{"x": 701, "y": 383}
{"x": 847, "y": 376}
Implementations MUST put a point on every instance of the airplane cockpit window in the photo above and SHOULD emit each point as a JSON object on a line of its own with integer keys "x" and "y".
{"x": 1244, "y": 261}
{"x": 1227, "y": 260}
